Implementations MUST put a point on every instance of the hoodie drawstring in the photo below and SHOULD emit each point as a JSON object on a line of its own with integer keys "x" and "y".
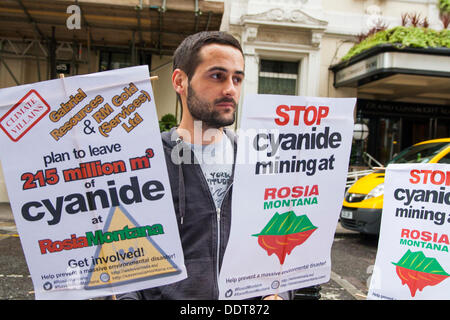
{"x": 181, "y": 188}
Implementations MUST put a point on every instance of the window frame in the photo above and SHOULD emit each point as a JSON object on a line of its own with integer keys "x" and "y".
{"x": 280, "y": 75}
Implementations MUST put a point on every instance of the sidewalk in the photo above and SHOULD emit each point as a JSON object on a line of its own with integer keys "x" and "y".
{"x": 7, "y": 220}
{"x": 7, "y": 223}
{"x": 6, "y": 212}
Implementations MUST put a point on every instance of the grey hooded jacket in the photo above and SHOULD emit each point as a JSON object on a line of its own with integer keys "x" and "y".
{"x": 204, "y": 230}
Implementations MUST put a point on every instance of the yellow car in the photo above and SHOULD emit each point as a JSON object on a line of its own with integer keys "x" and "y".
{"x": 363, "y": 203}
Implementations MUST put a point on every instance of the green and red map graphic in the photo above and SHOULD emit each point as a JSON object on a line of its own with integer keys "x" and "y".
{"x": 418, "y": 271}
{"x": 283, "y": 233}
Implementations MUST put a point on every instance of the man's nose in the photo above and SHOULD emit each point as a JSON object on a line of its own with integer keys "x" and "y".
{"x": 230, "y": 88}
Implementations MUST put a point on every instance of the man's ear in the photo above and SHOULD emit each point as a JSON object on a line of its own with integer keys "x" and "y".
{"x": 180, "y": 82}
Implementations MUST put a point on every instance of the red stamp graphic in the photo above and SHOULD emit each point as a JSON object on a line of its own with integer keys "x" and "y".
{"x": 24, "y": 115}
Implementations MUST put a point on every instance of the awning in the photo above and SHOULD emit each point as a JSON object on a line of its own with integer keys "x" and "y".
{"x": 389, "y": 73}
{"x": 157, "y": 25}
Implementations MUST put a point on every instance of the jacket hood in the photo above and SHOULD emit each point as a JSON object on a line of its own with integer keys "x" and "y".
{"x": 169, "y": 138}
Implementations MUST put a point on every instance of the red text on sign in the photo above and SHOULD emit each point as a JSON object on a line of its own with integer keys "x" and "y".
{"x": 294, "y": 192}
{"x": 425, "y": 236}
{"x": 436, "y": 177}
{"x": 310, "y": 115}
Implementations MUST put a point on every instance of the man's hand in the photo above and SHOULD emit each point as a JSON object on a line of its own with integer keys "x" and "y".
{"x": 273, "y": 297}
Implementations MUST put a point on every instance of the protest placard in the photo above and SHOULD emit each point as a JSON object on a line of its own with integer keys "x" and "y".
{"x": 289, "y": 182}
{"x": 85, "y": 172}
{"x": 413, "y": 259}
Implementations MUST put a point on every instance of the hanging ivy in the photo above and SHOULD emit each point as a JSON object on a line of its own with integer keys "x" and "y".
{"x": 401, "y": 37}
{"x": 444, "y": 6}
{"x": 167, "y": 122}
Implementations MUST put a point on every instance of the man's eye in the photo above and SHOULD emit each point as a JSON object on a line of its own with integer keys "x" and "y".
{"x": 217, "y": 76}
{"x": 237, "y": 79}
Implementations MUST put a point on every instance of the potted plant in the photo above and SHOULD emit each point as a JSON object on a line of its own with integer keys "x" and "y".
{"x": 413, "y": 33}
{"x": 167, "y": 122}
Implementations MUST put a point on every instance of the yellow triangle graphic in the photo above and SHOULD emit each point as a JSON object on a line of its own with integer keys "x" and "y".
{"x": 128, "y": 253}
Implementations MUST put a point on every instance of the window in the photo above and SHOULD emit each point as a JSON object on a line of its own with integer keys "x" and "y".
{"x": 110, "y": 60}
{"x": 278, "y": 77}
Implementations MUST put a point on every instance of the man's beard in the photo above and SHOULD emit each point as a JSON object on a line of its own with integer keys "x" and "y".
{"x": 205, "y": 112}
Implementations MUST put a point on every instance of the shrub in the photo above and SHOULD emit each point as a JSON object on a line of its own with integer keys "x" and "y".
{"x": 167, "y": 122}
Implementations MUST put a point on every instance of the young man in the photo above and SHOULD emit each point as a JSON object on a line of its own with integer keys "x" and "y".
{"x": 207, "y": 77}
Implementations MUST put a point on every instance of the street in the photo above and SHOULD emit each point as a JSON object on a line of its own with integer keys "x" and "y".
{"x": 352, "y": 259}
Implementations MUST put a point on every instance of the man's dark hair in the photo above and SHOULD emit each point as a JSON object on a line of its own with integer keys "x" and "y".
{"x": 186, "y": 56}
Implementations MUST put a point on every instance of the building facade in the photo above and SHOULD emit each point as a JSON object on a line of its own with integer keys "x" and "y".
{"x": 39, "y": 40}
{"x": 296, "y": 47}
{"x": 291, "y": 47}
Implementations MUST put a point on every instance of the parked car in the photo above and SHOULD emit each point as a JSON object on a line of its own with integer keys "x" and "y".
{"x": 363, "y": 201}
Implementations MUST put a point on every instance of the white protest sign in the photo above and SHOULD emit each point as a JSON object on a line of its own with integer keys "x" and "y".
{"x": 291, "y": 168}
{"x": 86, "y": 176}
{"x": 413, "y": 260}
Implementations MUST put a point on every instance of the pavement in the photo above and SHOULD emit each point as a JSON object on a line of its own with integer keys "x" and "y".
{"x": 5, "y": 211}
{"x": 339, "y": 288}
